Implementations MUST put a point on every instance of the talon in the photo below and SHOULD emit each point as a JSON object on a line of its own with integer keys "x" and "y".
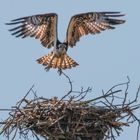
{"x": 47, "y": 68}
{"x": 59, "y": 71}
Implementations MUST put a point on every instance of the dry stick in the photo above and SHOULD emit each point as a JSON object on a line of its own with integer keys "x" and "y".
{"x": 138, "y": 120}
{"x": 111, "y": 106}
{"x": 108, "y": 93}
{"x": 70, "y": 82}
{"x": 7, "y": 109}
{"x": 71, "y": 89}
{"x": 138, "y": 129}
{"x": 34, "y": 134}
{"x": 136, "y": 98}
{"x": 101, "y": 97}
{"x": 20, "y": 102}
{"x": 126, "y": 91}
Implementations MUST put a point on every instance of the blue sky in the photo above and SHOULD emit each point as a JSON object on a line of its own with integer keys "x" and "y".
{"x": 105, "y": 59}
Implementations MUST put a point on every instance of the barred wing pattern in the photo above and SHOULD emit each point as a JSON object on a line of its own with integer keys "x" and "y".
{"x": 90, "y": 23}
{"x": 42, "y": 27}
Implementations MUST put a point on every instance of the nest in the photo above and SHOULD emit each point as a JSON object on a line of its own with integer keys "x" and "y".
{"x": 71, "y": 119}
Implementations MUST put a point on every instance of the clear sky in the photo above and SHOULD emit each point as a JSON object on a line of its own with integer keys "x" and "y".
{"x": 105, "y": 59}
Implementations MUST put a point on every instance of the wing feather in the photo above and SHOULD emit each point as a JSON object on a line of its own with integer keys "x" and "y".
{"x": 42, "y": 27}
{"x": 90, "y": 23}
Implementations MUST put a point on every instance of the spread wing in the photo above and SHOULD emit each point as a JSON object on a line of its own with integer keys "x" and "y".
{"x": 90, "y": 23}
{"x": 42, "y": 27}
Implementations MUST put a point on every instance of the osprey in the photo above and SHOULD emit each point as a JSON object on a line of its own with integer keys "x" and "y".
{"x": 44, "y": 28}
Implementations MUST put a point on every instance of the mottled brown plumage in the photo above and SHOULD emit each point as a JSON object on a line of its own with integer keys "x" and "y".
{"x": 60, "y": 62}
{"x": 90, "y": 23}
{"x": 44, "y": 28}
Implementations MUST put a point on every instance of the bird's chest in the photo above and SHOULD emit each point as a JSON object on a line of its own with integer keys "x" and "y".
{"x": 59, "y": 50}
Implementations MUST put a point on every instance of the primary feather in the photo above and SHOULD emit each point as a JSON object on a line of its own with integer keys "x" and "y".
{"x": 42, "y": 27}
{"x": 90, "y": 23}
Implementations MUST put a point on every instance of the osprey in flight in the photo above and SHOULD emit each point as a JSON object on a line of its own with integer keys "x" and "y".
{"x": 44, "y": 28}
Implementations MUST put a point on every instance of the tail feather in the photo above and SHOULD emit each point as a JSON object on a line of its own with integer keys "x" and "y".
{"x": 64, "y": 63}
{"x": 71, "y": 62}
{"x": 56, "y": 63}
{"x": 52, "y": 61}
{"x": 67, "y": 63}
{"x": 45, "y": 59}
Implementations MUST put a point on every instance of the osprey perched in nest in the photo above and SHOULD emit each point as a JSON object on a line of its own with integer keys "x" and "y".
{"x": 44, "y": 28}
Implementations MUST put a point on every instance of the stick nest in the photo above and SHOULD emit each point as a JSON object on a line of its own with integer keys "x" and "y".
{"x": 71, "y": 119}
